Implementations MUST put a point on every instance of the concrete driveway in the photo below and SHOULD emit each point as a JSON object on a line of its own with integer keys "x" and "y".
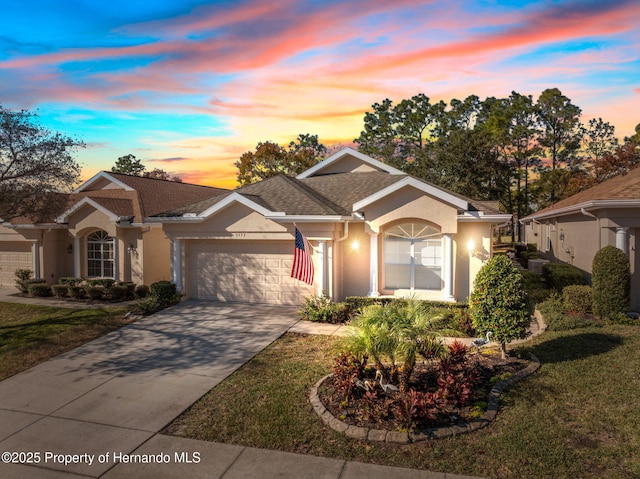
{"x": 113, "y": 394}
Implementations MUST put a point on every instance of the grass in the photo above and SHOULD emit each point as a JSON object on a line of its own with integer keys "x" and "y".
{"x": 576, "y": 417}
{"x": 31, "y": 334}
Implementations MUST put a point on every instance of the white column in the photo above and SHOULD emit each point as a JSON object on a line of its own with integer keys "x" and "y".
{"x": 116, "y": 259}
{"x": 622, "y": 241}
{"x": 177, "y": 264}
{"x": 329, "y": 276}
{"x": 321, "y": 273}
{"x": 35, "y": 253}
{"x": 77, "y": 270}
{"x": 373, "y": 266}
{"x": 448, "y": 267}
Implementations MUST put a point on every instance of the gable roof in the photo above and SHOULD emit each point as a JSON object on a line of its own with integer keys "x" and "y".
{"x": 344, "y": 153}
{"x": 620, "y": 191}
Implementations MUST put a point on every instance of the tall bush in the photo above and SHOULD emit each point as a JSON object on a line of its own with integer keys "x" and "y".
{"x": 611, "y": 278}
{"x": 499, "y": 302}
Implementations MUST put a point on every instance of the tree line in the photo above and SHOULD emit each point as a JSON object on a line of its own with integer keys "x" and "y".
{"x": 525, "y": 153}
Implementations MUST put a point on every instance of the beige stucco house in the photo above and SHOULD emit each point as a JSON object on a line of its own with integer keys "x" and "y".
{"x": 104, "y": 232}
{"x": 574, "y": 229}
{"x": 374, "y": 231}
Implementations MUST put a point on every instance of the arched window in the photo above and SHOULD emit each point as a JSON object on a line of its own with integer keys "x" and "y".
{"x": 100, "y": 257}
{"x": 413, "y": 257}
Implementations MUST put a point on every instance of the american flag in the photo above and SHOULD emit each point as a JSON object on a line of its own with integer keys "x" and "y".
{"x": 302, "y": 262}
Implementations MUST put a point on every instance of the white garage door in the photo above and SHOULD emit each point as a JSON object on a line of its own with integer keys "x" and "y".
{"x": 255, "y": 272}
{"x": 14, "y": 256}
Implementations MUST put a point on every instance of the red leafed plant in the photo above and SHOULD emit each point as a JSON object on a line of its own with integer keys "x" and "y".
{"x": 415, "y": 408}
{"x": 347, "y": 369}
{"x": 456, "y": 378}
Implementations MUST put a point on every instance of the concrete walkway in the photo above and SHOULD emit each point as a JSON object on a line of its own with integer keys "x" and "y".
{"x": 96, "y": 410}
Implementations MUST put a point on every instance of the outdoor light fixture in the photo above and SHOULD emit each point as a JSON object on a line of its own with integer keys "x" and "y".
{"x": 70, "y": 249}
{"x": 132, "y": 250}
{"x": 355, "y": 246}
{"x": 471, "y": 245}
{"x": 561, "y": 235}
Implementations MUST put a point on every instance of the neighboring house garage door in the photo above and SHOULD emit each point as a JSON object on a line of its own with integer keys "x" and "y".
{"x": 14, "y": 256}
{"x": 255, "y": 272}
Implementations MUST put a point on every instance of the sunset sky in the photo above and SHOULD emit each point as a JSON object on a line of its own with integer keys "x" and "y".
{"x": 188, "y": 86}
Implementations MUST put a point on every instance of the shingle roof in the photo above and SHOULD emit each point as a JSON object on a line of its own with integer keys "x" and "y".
{"x": 332, "y": 194}
{"x": 621, "y": 187}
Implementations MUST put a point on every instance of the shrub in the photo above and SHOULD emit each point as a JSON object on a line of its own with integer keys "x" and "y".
{"x": 94, "y": 292}
{"x": 611, "y": 279}
{"x": 347, "y": 370}
{"x": 117, "y": 292}
{"x": 23, "y": 275}
{"x": 560, "y": 275}
{"x": 141, "y": 291}
{"x": 416, "y": 408}
{"x": 499, "y": 302}
{"x": 577, "y": 299}
{"x": 456, "y": 377}
{"x": 321, "y": 309}
{"x": 39, "y": 290}
{"x": 60, "y": 290}
{"x": 131, "y": 288}
{"x": 76, "y": 292}
{"x": 551, "y": 310}
{"x": 104, "y": 282}
{"x": 69, "y": 281}
{"x": 163, "y": 290}
{"x": 537, "y": 289}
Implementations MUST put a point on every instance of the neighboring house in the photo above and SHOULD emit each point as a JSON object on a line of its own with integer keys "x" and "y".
{"x": 574, "y": 229}
{"x": 104, "y": 232}
{"x": 374, "y": 231}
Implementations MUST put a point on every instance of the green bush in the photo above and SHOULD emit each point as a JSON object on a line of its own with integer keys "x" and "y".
{"x": 39, "y": 290}
{"x": 611, "y": 278}
{"x": 23, "y": 275}
{"x": 131, "y": 288}
{"x": 321, "y": 309}
{"x": 104, "y": 282}
{"x": 94, "y": 292}
{"x": 552, "y": 312}
{"x": 164, "y": 293}
{"x": 560, "y": 275}
{"x": 357, "y": 303}
{"x": 69, "y": 281}
{"x": 499, "y": 302}
{"x": 577, "y": 299}
{"x": 117, "y": 292}
{"x": 141, "y": 291}
{"x": 76, "y": 292}
{"x": 60, "y": 290}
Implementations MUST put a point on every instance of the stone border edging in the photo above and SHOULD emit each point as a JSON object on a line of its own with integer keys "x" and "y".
{"x": 396, "y": 437}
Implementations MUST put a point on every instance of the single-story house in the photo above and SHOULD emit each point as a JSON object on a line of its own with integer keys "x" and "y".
{"x": 574, "y": 229}
{"x": 373, "y": 229}
{"x": 103, "y": 232}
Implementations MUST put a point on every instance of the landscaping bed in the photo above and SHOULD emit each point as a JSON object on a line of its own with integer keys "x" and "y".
{"x": 381, "y": 410}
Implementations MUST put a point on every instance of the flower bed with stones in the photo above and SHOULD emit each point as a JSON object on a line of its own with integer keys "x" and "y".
{"x": 366, "y": 431}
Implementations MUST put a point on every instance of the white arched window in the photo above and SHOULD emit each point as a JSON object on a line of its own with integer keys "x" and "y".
{"x": 413, "y": 257}
{"x": 100, "y": 255}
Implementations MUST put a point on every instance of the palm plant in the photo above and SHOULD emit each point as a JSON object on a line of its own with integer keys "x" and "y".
{"x": 399, "y": 332}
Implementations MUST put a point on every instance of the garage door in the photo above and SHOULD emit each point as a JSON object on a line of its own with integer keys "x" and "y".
{"x": 255, "y": 272}
{"x": 14, "y": 256}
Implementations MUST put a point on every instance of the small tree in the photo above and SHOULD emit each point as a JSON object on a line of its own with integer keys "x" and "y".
{"x": 611, "y": 278}
{"x": 499, "y": 302}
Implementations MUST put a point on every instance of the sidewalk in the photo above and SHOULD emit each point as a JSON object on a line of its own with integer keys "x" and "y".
{"x": 95, "y": 411}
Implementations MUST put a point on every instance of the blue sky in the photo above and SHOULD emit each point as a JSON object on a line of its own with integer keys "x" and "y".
{"x": 188, "y": 86}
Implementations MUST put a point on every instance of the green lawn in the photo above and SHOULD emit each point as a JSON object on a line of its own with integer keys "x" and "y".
{"x": 32, "y": 334}
{"x": 578, "y": 416}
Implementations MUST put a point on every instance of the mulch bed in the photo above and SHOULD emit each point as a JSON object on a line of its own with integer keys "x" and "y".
{"x": 490, "y": 368}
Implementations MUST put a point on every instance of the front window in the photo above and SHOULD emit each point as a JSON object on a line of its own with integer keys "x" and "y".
{"x": 100, "y": 257}
{"x": 413, "y": 257}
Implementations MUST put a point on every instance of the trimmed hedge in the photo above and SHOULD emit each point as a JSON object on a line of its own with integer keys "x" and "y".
{"x": 94, "y": 292}
{"x": 163, "y": 291}
{"x": 104, "y": 282}
{"x": 560, "y": 275}
{"x": 577, "y": 299}
{"x": 611, "y": 278}
{"x": 141, "y": 291}
{"x": 117, "y": 292}
{"x": 76, "y": 292}
{"x": 69, "y": 281}
{"x": 356, "y": 303}
{"x": 39, "y": 290}
{"x": 60, "y": 290}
